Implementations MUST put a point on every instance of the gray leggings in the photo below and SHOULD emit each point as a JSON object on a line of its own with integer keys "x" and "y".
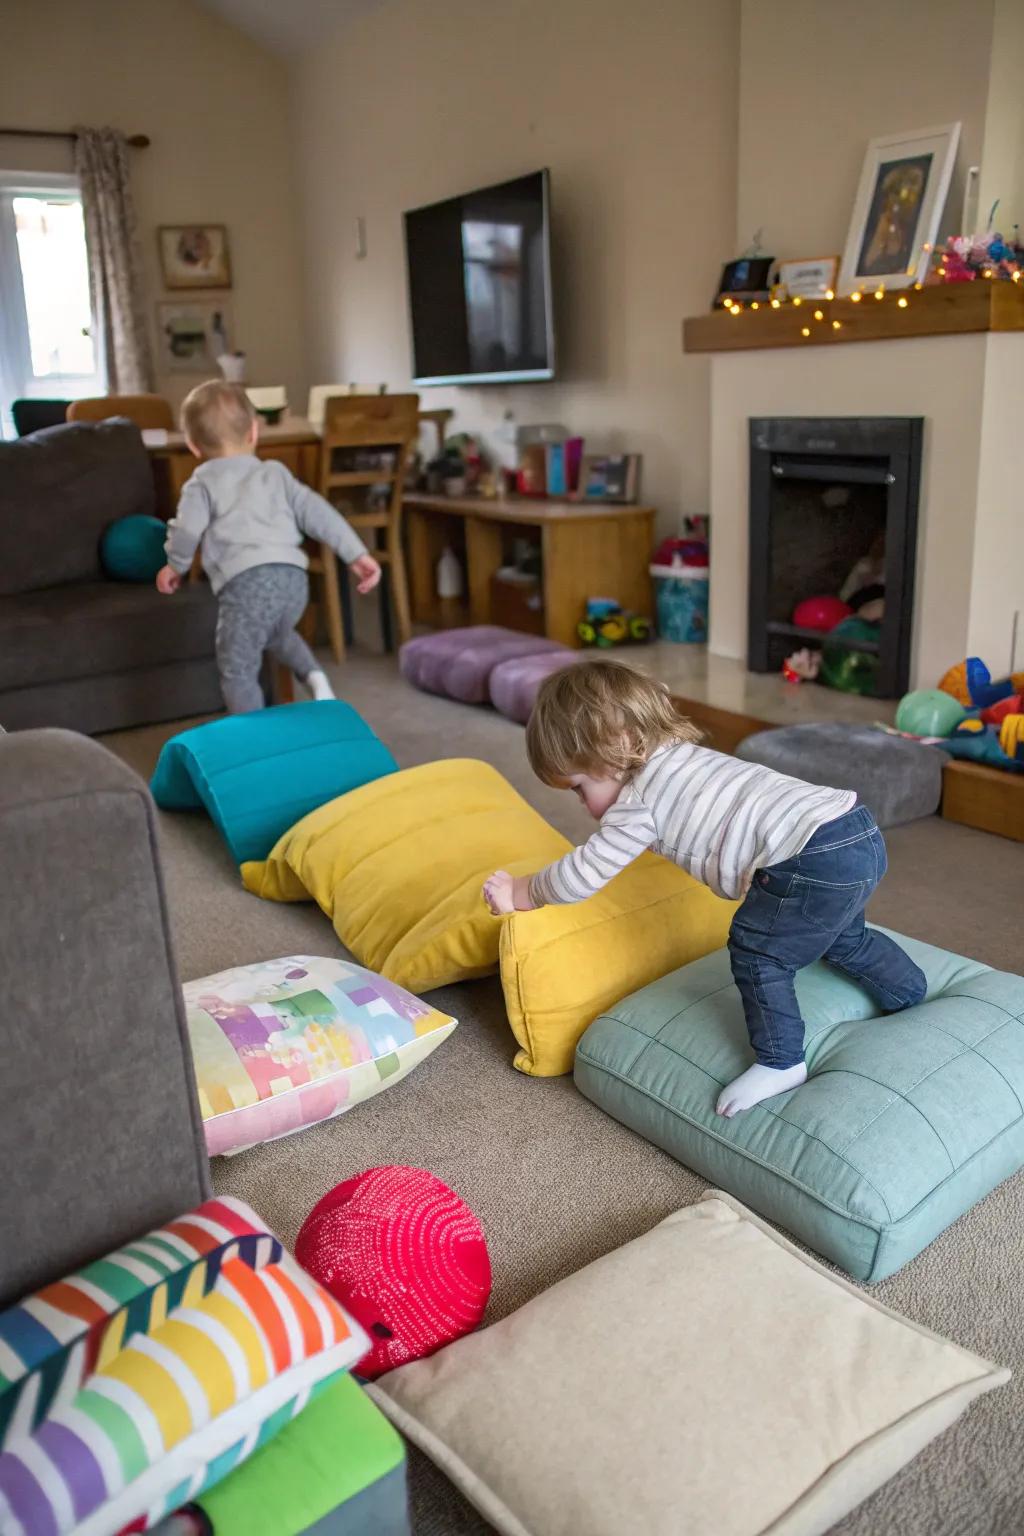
{"x": 257, "y": 612}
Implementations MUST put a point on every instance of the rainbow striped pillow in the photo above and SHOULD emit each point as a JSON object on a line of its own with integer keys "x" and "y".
{"x": 148, "y": 1405}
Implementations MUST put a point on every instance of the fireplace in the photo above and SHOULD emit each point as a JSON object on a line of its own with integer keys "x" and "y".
{"x": 833, "y": 509}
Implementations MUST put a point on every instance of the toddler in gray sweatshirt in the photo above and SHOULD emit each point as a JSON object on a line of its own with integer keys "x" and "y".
{"x": 251, "y": 517}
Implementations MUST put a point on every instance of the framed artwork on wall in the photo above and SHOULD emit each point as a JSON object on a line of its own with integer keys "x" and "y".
{"x": 903, "y": 188}
{"x": 743, "y": 280}
{"x": 194, "y": 255}
{"x": 192, "y": 334}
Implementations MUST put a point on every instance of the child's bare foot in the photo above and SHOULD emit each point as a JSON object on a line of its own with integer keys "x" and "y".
{"x": 758, "y": 1083}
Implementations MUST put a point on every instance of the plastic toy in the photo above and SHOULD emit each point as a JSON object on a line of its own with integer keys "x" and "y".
{"x": 605, "y": 624}
{"x": 842, "y": 666}
{"x": 971, "y": 683}
{"x": 821, "y": 613}
{"x": 802, "y": 667}
{"x": 929, "y": 712}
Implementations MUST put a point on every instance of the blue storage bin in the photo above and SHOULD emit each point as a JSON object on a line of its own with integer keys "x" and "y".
{"x": 681, "y": 598}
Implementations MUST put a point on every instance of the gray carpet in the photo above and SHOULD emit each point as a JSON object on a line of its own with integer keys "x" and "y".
{"x": 555, "y": 1182}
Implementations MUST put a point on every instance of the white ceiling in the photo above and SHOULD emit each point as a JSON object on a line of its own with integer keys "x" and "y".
{"x": 287, "y": 26}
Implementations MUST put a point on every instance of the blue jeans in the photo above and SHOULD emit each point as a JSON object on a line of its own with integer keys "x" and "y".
{"x": 807, "y": 908}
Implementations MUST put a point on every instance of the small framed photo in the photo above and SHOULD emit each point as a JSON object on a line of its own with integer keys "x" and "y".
{"x": 812, "y": 278}
{"x": 194, "y": 255}
{"x": 744, "y": 280}
{"x": 609, "y": 477}
{"x": 903, "y": 188}
{"x": 192, "y": 334}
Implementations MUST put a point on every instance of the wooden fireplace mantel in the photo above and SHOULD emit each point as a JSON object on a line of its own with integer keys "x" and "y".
{"x": 944, "y": 310}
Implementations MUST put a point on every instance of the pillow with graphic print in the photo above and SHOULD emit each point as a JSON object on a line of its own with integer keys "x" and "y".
{"x": 52, "y": 1340}
{"x": 283, "y": 1044}
{"x": 172, "y": 1407}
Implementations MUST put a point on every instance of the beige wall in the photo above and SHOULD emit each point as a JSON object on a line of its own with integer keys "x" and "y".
{"x": 215, "y": 107}
{"x": 633, "y": 109}
{"x": 818, "y": 79}
{"x": 1002, "y": 171}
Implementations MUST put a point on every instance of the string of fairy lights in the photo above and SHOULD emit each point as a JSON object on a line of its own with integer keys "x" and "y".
{"x": 879, "y": 294}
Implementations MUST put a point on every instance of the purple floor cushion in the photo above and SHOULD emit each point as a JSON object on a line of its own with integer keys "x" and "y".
{"x": 458, "y": 662}
{"x": 514, "y": 683}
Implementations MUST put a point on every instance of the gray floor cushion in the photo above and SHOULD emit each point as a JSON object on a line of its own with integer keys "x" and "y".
{"x": 897, "y": 780}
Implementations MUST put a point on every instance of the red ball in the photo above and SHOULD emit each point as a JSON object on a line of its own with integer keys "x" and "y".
{"x": 405, "y": 1255}
{"x": 820, "y": 613}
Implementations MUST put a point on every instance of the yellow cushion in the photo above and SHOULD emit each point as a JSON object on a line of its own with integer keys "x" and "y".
{"x": 563, "y": 966}
{"x": 398, "y": 866}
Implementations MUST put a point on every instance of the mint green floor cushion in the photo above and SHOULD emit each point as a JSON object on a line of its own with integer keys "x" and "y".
{"x": 903, "y": 1124}
{"x": 338, "y": 1469}
{"x": 258, "y": 774}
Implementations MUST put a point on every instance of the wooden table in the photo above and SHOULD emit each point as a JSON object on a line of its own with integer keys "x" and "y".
{"x": 587, "y": 550}
{"x": 294, "y": 441}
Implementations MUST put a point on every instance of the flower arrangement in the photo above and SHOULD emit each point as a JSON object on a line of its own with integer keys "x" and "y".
{"x": 966, "y": 257}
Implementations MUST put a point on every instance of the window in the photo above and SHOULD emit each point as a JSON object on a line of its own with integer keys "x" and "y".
{"x": 46, "y": 344}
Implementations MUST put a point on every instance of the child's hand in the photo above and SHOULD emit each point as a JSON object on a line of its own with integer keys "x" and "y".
{"x": 167, "y": 581}
{"x": 367, "y": 574}
{"x": 499, "y": 893}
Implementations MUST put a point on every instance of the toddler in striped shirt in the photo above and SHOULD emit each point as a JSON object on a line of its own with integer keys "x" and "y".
{"x": 801, "y": 859}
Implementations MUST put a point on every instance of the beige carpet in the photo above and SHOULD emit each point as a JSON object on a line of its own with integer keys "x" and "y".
{"x": 555, "y": 1182}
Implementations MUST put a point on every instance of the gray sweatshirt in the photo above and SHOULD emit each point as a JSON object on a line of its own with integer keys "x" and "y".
{"x": 249, "y": 511}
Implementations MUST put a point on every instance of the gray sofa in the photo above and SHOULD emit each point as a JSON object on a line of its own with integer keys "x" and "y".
{"x": 100, "y": 1134}
{"x": 76, "y": 649}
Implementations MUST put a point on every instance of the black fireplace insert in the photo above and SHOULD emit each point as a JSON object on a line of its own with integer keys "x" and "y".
{"x": 833, "y": 515}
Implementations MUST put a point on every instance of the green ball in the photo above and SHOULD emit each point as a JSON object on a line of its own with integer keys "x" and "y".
{"x": 929, "y": 712}
{"x": 132, "y": 548}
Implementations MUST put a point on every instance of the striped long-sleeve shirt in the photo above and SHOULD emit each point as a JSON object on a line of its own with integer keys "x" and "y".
{"x": 717, "y": 817}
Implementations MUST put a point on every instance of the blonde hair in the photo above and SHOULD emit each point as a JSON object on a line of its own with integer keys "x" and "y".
{"x": 601, "y": 715}
{"x": 217, "y": 415}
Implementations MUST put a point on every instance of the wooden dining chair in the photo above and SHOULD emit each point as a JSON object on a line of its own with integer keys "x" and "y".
{"x": 357, "y": 426}
{"x": 146, "y": 411}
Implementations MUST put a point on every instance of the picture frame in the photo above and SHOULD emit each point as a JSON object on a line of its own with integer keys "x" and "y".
{"x": 744, "y": 280}
{"x": 810, "y": 277}
{"x": 192, "y": 334}
{"x": 194, "y": 256}
{"x": 609, "y": 477}
{"x": 904, "y": 183}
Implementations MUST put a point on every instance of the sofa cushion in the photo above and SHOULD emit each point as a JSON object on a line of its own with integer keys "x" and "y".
{"x": 513, "y": 684}
{"x": 897, "y": 780}
{"x": 563, "y": 965}
{"x": 458, "y": 662}
{"x": 705, "y": 1380}
{"x": 398, "y": 866}
{"x": 903, "y": 1124}
{"x": 282, "y": 1044}
{"x": 59, "y": 489}
{"x": 88, "y": 628}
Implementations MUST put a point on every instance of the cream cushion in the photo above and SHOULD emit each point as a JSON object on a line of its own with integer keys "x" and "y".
{"x": 708, "y": 1379}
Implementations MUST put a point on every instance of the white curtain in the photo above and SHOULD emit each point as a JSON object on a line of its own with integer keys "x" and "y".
{"x": 115, "y": 272}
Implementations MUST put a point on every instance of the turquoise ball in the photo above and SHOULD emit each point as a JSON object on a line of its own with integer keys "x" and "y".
{"x": 132, "y": 549}
{"x": 929, "y": 712}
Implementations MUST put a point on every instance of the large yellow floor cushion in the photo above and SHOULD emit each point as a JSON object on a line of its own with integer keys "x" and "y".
{"x": 561, "y": 967}
{"x": 398, "y": 866}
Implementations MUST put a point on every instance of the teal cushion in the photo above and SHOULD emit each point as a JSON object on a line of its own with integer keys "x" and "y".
{"x": 258, "y": 774}
{"x": 904, "y": 1122}
{"x": 132, "y": 549}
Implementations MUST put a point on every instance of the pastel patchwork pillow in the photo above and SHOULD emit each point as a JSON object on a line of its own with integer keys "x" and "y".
{"x": 562, "y": 966}
{"x": 151, "y": 1411}
{"x": 398, "y": 866}
{"x": 458, "y": 662}
{"x": 706, "y": 1379}
{"x": 283, "y": 1044}
{"x": 257, "y": 774}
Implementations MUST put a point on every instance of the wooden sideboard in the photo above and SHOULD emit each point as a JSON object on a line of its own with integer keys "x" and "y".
{"x": 587, "y": 550}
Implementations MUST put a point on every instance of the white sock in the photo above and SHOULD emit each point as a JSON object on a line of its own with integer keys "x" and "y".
{"x": 758, "y": 1083}
{"x": 319, "y": 686}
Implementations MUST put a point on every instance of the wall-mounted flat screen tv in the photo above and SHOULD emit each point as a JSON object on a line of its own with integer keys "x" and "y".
{"x": 480, "y": 286}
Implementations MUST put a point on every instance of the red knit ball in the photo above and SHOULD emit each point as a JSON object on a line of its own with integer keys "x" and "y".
{"x": 405, "y": 1255}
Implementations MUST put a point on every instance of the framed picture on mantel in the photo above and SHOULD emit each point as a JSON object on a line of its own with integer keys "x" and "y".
{"x": 903, "y": 188}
